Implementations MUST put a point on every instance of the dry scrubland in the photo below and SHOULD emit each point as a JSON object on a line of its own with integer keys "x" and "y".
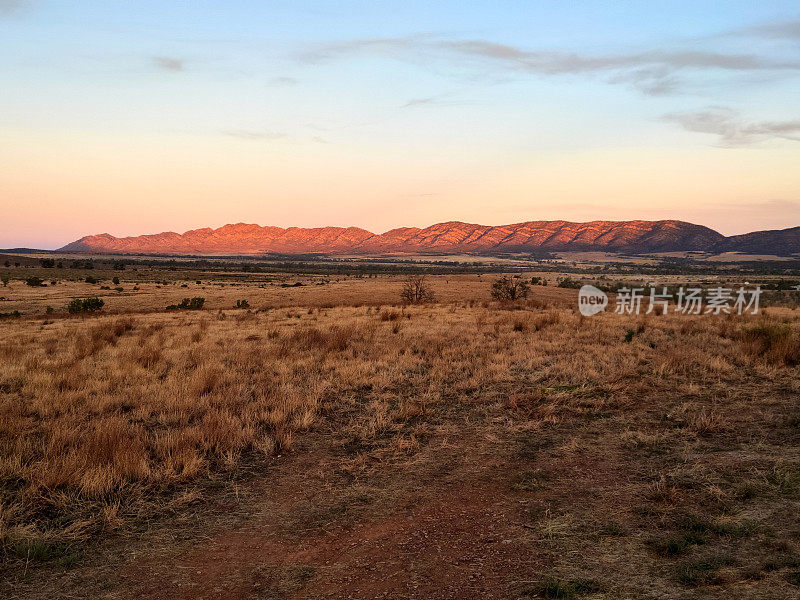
{"x": 667, "y": 465}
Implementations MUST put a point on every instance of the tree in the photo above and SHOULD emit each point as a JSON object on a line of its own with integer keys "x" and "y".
{"x": 416, "y": 290}
{"x": 34, "y": 282}
{"x": 506, "y": 288}
{"x": 5, "y": 277}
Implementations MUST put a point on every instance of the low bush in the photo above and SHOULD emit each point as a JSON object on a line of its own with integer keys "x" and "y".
{"x": 82, "y": 305}
{"x": 188, "y": 304}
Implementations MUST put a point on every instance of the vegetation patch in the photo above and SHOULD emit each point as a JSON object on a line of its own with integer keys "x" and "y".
{"x": 188, "y": 304}
{"x": 83, "y": 305}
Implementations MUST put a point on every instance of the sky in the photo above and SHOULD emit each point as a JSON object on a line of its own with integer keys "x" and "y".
{"x": 127, "y": 117}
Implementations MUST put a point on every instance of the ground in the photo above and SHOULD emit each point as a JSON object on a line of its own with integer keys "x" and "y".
{"x": 462, "y": 449}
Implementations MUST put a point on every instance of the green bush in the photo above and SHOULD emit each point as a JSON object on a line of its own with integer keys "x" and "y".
{"x": 34, "y": 282}
{"x": 90, "y": 279}
{"x": 569, "y": 284}
{"x": 188, "y": 304}
{"x": 81, "y": 305}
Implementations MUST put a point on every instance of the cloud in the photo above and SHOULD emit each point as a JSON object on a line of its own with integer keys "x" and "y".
{"x": 169, "y": 63}
{"x": 732, "y": 130}
{"x": 785, "y": 30}
{"x": 244, "y": 134}
{"x": 653, "y": 72}
{"x": 420, "y": 101}
{"x": 283, "y": 81}
{"x": 10, "y": 7}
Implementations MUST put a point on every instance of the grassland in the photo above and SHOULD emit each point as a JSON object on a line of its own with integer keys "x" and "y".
{"x": 326, "y": 442}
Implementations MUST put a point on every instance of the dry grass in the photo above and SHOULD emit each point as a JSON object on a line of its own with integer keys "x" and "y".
{"x": 106, "y": 418}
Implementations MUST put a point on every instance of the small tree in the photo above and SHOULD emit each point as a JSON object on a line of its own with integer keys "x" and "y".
{"x": 5, "y": 278}
{"x": 115, "y": 280}
{"x": 416, "y": 290}
{"x": 34, "y": 282}
{"x": 506, "y": 288}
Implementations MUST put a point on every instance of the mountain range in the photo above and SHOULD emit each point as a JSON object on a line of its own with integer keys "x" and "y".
{"x": 447, "y": 238}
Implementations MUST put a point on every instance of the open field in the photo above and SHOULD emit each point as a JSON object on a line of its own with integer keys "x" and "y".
{"x": 327, "y": 442}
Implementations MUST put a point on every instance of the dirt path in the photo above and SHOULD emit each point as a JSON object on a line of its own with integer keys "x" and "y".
{"x": 430, "y": 534}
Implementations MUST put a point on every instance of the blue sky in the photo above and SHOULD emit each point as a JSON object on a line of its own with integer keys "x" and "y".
{"x": 137, "y": 117}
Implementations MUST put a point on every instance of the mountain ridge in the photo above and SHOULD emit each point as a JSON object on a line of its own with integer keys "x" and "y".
{"x": 638, "y": 236}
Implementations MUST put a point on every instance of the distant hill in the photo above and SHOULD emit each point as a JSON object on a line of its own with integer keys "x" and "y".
{"x": 449, "y": 237}
{"x": 782, "y": 242}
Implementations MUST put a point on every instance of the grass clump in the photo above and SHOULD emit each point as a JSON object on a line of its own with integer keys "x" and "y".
{"x": 564, "y": 589}
{"x": 704, "y": 572}
{"x": 777, "y": 343}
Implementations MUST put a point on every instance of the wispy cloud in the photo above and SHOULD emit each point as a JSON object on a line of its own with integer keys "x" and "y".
{"x": 420, "y": 101}
{"x": 169, "y": 63}
{"x": 283, "y": 81}
{"x": 9, "y": 7}
{"x": 732, "y": 130}
{"x": 255, "y": 135}
{"x": 653, "y": 72}
{"x": 783, "y": 30}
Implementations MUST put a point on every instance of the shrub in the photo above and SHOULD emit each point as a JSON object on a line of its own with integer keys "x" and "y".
{"x": 506, "y": 288}
{"x": 90, "y": 279}
{"x": 34, "y": 282}
{"x": 570, "y": 284}
{"x": 14, "y": 314}
{"x": 188, "y": 304}
{"x": 81, "y": 305}
{"x": 115, "y": 281}
{"x": 5, "y": 278}
{"x": 416, "y": 290}
{"x": 242, "y": 304}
